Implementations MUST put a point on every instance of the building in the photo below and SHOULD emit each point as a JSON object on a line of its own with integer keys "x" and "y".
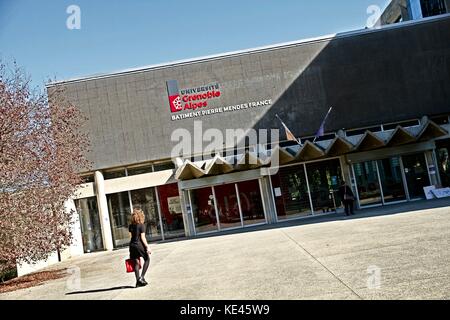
{"x": 406, "y": 10}
{"x": 388, "y": 134}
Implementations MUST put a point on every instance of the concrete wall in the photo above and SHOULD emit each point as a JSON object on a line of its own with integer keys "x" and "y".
{"x": 372, "y": 77}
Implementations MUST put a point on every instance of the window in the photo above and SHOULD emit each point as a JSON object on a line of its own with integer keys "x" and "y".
{"x": 171, "y": 214}
{"x": 91, "y": 230}
{"x": 404, "y": 124}
{"x": 120, "y": 214}
{"x": 204, "y": 210}
{"x": 432, "y": 7}
{"x": 145, "y": 199}
{"x": 362, "y": 131}
{"x": 139, "y": 170}
{"x": 291, "y": 192}
{"x": 164, "y": 166}
{"x": 114, "y": 174}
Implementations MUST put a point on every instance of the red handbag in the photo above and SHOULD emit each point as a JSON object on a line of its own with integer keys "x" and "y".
{"x": 129, "y": 264}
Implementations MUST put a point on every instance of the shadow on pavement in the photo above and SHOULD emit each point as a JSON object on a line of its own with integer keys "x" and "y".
{"x": 100, "y": 290}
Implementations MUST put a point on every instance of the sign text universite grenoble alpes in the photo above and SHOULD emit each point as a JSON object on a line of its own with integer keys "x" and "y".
{"x": 197, "y": 102}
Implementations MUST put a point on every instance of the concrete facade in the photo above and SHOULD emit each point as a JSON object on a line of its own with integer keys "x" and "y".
{"x": 394, "y": 74}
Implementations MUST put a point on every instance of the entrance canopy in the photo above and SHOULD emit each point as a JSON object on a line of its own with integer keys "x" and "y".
{"x": 308, "y": 151}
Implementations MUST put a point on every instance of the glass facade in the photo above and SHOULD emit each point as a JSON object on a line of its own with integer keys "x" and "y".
{"x": 324, "y": 179}
{"x": 300, "y": 193}
{"x": 299, "y": 190}
{"x": 114, "y": 174}
{"x": 145, "y": 199}
{"x": 120, "y": 213}
{"x": 90, "y": 224}
{"x": 416, "y": 173}
{"x": 251, "y": 203}
{"x": 391, "y": 180}
{"x": 171, "y": 214}
{"x": 139, "y": 170}
{"x": 291, "y": 192}
{"x": 443, "y": 158}
{"x": 203, "y": 210}
{"x": 432, "y": 7}
{"x": 383, "y": 181}
{"x": 228, "y": 206}
{"x": 366, "y": 177}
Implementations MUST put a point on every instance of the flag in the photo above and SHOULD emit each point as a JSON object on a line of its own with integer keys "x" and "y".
{"x": 321, "y": 130}
{"x": 289, "y": 135}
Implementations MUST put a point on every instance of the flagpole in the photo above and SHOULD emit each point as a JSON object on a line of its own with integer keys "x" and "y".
{"x": 288, "y": 131}
{"x": 323, "y": 124}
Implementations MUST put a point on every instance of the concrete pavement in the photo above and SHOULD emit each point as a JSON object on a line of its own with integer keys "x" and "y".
{"x": 378, "y": 254}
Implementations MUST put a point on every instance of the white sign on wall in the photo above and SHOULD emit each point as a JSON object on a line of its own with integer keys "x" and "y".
{"x": 277, "y": 192}
{"x": 174, "y": 204}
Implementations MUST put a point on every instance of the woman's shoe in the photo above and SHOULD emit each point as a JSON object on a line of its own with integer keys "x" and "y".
{"x": 140, "y": 283}
{"x": 143, "y": 281}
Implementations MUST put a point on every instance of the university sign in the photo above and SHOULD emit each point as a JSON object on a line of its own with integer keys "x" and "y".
{"x": 186, "y": 103}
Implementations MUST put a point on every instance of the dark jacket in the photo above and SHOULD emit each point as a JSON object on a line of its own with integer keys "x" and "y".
{"x": 345, "y": 189}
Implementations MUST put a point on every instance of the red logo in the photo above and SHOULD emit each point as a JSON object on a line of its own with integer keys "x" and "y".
{"x": 190, "y": 99}
{"x": 174, "y": 96}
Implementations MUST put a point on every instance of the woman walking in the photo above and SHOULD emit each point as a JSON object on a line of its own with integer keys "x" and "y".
{"x": 139, "y": 246}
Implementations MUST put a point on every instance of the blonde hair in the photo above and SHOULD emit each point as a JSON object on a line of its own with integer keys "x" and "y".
{"x": 137, "y": 217}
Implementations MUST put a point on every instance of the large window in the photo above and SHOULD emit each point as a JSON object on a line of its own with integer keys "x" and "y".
{"x": 291, "y": 192}
{"x": 433, "y": 7}
{"x": 145, "y": 199}
{"x": 391, "y": 180}
{"x": 203, "y": 210}
{"x": 366, "y": 176}
{"x": 120, "y": 214}
{"x": 324, "y": 179}
{"x": 90, "y": 224}
{"x": 171, "y": 214}
{"x": 416, "y": 173}
{"x": 238, "y": 205}
{"x": 251, "y": 203}
{"x": 443, "y": 158}
{"x": 228, "y": 206}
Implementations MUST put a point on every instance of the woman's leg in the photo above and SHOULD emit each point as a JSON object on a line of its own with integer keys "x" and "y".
{"x": 136, "y": 268}
{"x": 145, "y": 267}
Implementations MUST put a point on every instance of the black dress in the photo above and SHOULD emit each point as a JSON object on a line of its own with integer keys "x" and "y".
{"x": 137, "y": 248}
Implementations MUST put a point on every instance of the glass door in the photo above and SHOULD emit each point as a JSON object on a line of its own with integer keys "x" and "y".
{"x": 251, "y": 202}
{"x": 367, "y": 181}
{"x": 120, "y": 216}
{"x": 204, "y": 210}
{"x": 291, "y": 193}
{"x": 416, "y": 174}
{"x": 228, "y": 206}
{"x": 91, "y": 230}
{"x": 145, "y": 199}
{"x": 324, "y": 179}
{"x": 391, "y": 180}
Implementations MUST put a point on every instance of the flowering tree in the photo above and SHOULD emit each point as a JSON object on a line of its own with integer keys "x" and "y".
{"x": 41, "y": 152}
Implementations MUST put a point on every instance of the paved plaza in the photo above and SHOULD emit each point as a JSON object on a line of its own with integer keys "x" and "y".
{"x": 396, "y": 252}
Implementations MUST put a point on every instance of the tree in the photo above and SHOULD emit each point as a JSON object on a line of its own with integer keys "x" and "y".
{"x": 42, "y": 150}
